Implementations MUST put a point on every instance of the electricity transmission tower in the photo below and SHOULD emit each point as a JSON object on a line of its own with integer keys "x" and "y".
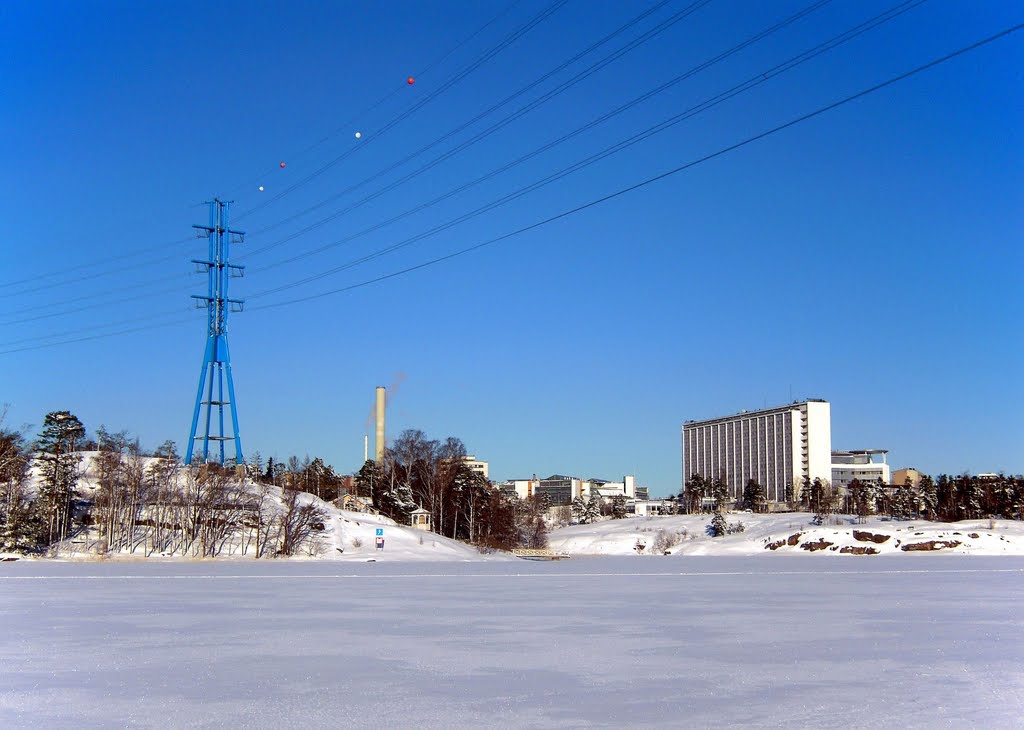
{"x": 217, "y": 359}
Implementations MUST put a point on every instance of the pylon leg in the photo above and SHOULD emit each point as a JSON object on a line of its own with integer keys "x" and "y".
{"x": 199, "y": 403}
{"x": 234, "y": 410}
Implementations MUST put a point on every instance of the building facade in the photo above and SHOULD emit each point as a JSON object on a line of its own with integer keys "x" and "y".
{"x": 900, "y": 476}
{"x": 777, "y": 447}
{"x": 480, "y": 467}
{"x": 561, "y": 489}
{"x": 865, "y": 465}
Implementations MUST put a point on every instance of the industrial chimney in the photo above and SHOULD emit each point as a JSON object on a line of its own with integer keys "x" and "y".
{"x": 378, "y": 449}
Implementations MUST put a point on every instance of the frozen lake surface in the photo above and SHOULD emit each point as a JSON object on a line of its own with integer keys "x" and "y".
{"x": 796, "y": 641}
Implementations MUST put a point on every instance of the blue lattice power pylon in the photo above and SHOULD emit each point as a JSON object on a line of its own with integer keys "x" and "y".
{"x": 217, "y": 359}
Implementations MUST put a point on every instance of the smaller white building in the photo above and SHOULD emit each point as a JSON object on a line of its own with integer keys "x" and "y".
{"x": 864, "y": 465}
{"x": 480, "y": 467}
{"x": 561, "y": 489}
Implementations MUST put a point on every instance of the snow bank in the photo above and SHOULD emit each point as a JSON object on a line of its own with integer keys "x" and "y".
{"x": 790, "y": 532}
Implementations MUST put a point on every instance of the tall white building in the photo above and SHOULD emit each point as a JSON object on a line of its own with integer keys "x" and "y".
{"x": 776, "y": 447}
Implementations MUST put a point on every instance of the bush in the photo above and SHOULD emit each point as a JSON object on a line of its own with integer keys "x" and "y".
{"x": 356, "y": 542}
{"x": 735, "y": 527}
{"x": 664, "y": 541}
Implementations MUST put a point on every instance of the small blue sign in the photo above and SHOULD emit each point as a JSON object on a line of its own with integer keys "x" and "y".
{"x": 380, "y": 531}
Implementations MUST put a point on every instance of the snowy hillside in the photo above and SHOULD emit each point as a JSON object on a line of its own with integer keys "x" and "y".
{"x": 339, "y": 535}
{"x": 789, "y": 533}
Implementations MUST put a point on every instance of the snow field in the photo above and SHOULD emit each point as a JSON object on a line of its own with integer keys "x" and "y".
{"x": 720, "y": 641}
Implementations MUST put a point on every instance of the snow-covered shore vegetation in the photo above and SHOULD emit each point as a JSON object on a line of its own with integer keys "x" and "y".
{"x": 789, "y": 533}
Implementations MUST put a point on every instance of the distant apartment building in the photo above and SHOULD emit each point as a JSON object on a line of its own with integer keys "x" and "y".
{"x": 561, "y": 489}
{"x": 865, "y": 465}
{"x": 899, "y": 477}
{"x": 480, "y": 467}
{"x": 776, "y": 447}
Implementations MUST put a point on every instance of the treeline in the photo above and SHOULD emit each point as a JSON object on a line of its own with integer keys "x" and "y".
{"x": 943, "y": 499}
{"x": 305, "y": 475}
{"x": 141, "y": 504}
{"x": 417, "y": 472}
{"x": 946, "y": 498}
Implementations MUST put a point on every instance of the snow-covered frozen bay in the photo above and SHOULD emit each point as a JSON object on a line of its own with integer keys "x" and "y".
{"x": 907, "y": 641}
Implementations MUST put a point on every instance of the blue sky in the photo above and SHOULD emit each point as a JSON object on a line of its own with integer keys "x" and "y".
{"x": 870, "y": 256}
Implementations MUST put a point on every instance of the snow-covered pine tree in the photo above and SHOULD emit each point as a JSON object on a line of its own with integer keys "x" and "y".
{"x": 368, "y": 479}
{"x": 929, "y": 498}
{"x": 20, "y": 523}
{"x": 718, "y": 526}
{"x": 58, "y": 463}
{"x": 579, "y": 510}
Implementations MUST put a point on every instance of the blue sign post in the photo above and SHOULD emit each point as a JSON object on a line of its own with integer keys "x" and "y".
{"x": 380, "y": 538}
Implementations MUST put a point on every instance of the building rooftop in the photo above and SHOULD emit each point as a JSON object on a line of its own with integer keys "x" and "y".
{"x": 773, "y": 409}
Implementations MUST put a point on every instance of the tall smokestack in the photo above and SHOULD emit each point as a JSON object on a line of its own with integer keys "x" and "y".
{"x": 378, "y": 449}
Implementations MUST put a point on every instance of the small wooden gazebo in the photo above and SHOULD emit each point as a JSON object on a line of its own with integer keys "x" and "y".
{"x": 420, "y": 519}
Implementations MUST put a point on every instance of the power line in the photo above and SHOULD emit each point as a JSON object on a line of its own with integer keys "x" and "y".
{"x": 599, "y": 201}
{"x": 757, "y": 79}
{"x": 661, "y": 27}
{"x": 415, "y": 107}
{"x": 146, "y": 250}
{"x": 76, "y": 300}
{"x": 81, "y": 267}
{"x": 633, "y": 139}
{"x": 452, "y": 132}
{"x": 397, "y": 89}
{"x": 661, "y": 176}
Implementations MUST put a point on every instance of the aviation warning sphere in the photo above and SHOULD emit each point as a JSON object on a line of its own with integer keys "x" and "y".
{"x": 282, "y": 164}
{"x": 410, "y": 80}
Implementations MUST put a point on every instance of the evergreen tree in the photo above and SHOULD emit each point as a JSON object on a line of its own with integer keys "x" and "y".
{"x": 579, "y": 510}
{"x": 592, "y": 510}
{"x": 370, "y": 475}
{"x": 860, "y": 498}
{"x": 820, "y": 501}
{"x": 254, "y": 467}
{"x": 694, "y": 492}
{"x": 618, "y": 506}
{"x": 20, "y": 521}
{"x": 900, "y": 503}
{"x": 929, "y": 496}
{"x": 395, "y": 500}
{"x": 58, "y": 463}
{"x": 718, "y": 526}
{"x": 720, "y": 491}
{"x": 754, "y": 497}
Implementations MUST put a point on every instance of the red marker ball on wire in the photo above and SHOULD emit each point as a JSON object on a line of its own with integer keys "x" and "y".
{"x": 410, "y": 80}
{"x": 282, "y": 164}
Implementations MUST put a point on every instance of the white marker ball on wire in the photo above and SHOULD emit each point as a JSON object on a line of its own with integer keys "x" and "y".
{"x": 358, "y": 135}
{"x": 261, "y": 188}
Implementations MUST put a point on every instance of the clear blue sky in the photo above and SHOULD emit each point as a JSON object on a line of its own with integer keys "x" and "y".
{"x": 871, "y": 256}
